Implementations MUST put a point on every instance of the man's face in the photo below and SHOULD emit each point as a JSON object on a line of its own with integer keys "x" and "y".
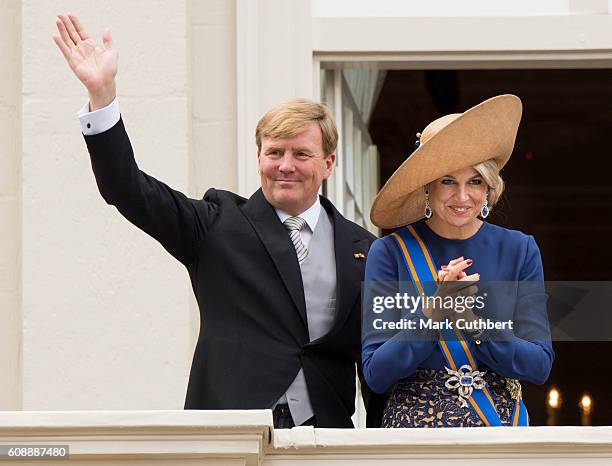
{"x": 292, "y": 169}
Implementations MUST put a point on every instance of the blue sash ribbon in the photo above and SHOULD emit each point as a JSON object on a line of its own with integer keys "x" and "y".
{"x": 453, "y": 344}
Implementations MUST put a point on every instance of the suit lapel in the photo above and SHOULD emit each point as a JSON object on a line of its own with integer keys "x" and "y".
{"x": 349, "y": 269}
{"x": 275, "y": 239}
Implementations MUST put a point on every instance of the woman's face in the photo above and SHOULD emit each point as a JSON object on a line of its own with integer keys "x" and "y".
{"x": 457, "y": 197}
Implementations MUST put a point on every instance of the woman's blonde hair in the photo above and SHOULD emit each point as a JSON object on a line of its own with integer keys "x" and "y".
{"x": 490, "y": 174}
{"x": 294, "y": 116}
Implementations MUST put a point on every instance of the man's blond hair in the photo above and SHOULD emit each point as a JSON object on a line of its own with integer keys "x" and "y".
{"x": 295, "y": 116}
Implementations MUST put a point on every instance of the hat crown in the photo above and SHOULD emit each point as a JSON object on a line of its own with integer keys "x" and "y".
{"x": 435, "y": 126}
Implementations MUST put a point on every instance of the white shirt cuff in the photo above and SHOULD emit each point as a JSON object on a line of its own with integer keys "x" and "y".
{"x": 100, "y": 120}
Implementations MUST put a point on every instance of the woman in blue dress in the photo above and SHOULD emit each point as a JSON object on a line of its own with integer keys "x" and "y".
{"x": 457, "y": 366}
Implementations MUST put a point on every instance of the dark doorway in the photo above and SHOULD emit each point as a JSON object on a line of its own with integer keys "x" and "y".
{"x": 559, "y": 189}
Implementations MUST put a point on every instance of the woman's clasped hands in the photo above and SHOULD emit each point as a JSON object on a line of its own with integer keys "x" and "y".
{"x": 453, "y": 282}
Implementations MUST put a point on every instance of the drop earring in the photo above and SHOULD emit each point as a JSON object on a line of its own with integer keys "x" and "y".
{"x": 484, "y": 212}
{"x": 428, "y": 211}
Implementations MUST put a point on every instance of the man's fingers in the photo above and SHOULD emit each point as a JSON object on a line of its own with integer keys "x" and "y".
{"x": 61, "y": 27}
{"x": 78, "y": 27}
{"x": 62, "y": 46}
{"x": 76, "y": 39}
{"x": 107, "y": 40}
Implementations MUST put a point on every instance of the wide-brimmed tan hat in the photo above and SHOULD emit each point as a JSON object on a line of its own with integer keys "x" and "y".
{"x": 452, "y": 142}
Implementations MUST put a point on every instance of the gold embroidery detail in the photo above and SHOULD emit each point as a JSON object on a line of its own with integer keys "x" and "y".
{"x": 514, "y": 387}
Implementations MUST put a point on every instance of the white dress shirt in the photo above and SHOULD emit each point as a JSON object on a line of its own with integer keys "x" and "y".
{"x": 100, "y": 120}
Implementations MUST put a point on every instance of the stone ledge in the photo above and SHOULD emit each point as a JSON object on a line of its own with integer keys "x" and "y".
{"x": 160, "y": 437}
{"x": 248, "y": 438}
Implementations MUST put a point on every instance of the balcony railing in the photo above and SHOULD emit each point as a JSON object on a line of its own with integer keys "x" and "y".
{"x": 248, "y": 438}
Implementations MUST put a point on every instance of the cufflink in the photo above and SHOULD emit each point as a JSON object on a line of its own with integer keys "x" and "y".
{"x": 359, "y": 255}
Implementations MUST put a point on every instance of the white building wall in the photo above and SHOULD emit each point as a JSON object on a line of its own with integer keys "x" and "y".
{"x": 211, "y": 51}
{"x": 106, "y": 321}
{"x": 10, "y": 205}
{"x": 395, "y": 8}
{"x": 213, "y": 85}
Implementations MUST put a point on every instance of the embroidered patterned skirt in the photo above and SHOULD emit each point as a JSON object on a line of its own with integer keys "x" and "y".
{"x": 422, "y": 400}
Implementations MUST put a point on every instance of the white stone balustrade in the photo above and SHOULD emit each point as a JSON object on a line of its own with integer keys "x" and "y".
{"x": 247, "y": 438}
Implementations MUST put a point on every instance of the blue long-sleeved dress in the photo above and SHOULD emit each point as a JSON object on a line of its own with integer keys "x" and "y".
{"x": 498, "y": 254}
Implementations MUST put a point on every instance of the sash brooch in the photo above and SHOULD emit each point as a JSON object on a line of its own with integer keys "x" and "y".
{"x": 465, "y": 380}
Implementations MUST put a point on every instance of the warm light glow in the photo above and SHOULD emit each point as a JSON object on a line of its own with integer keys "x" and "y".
{"x": 554, "y": 398}
{"x": 586, "y": 404}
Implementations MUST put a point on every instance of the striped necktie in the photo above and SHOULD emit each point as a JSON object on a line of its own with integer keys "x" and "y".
{"x": 293, "y": 226}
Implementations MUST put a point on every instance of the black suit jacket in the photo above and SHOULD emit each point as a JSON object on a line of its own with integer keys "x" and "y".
{"x": 247, "y": 281}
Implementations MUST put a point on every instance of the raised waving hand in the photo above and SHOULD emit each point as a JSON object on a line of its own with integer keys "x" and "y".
{"x": 95, "y": 65}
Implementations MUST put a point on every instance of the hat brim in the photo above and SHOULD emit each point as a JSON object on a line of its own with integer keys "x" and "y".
{"x": 486, "y": 131}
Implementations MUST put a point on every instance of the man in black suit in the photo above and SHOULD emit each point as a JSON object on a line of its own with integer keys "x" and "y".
{"x": 277, "y": 276}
